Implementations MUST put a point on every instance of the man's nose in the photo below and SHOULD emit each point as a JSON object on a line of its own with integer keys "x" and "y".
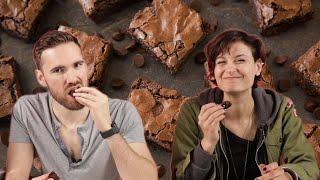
{"x": 71, "y": 77}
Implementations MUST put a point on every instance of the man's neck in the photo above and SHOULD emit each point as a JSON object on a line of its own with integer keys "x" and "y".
{"x": 69, "y": 118}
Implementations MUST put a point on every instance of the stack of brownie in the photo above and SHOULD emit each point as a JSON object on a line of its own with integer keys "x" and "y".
{"x": 274, "y": 16}
{"x": 307, "y": 70}
{"x": 169, "y": 30}
{"x": 9, "y": 85}
{"x": 312, "y": 132}
{"x": 95, "y": 51}
{"x": 19, "y": 17}
{"x": 98, "y": 9}
{"x": 159, "y": 109}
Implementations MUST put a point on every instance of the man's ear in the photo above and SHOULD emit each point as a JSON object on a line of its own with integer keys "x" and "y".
{"x": 259, "y": 65}
{"x": 40, "y": 78}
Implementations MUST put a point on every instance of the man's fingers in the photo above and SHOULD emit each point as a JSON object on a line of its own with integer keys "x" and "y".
{"x": 42, "y": 177}
{"x": 87, "y": 96}
{"x": 89, "y": 90}
{"x": 85, "y": 102}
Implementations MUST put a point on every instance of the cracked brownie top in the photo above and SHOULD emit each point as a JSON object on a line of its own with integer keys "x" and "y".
{"x": 169, "y": 29}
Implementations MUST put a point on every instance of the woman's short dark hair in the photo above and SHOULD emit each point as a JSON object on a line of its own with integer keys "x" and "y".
{"x": 221, "y": 44}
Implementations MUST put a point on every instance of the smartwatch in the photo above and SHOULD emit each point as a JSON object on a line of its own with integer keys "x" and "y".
{"x": 114, "y": 130}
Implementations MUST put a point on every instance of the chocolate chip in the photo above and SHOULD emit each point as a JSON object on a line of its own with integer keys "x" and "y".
{"x": 226, "y": 104}
{"x": 117, "y": 83}
{"x": 53, "y": 175}
{"x": 161, "y": 170}
{"x": 131, "y": 45}
{"x": 200, "y": 58}
{"x": 280, "y": 60}
{"x": 283, "y": 85}
{"x": 138, "y": 60}
{"x": 316, "y": 113}
{"x": 195, "y": 5}
{"x": 310, "y": 105}
{"x": 39, "y": 89}
{"x": 117, "y": 35}
{"x": 5, "y": 138}
{"x": 120, "y": 52}
{"x": 214, "y": 2}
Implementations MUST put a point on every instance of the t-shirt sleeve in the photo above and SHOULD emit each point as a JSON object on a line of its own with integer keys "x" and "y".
{"x": 132, "y": 128}
{"x": 18, "y": 130}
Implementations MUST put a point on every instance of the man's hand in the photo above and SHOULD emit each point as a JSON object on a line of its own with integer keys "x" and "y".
{"x": 43, "y": 177}
{"x": 273, "y": 171}
{"x": 98, "y": 104}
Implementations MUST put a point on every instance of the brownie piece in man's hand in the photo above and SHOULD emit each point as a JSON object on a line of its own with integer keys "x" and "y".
{"x": 274, "y": 16}
{"x": 95, "y": 51}
{"x": 19, "y": 17}
{"x": 169, "y": 30}
{"x": 9, "y": 85}
{"x": 159, "y": 108}
{"x": 307, "y": 70}
{"x": 53, "y": 175}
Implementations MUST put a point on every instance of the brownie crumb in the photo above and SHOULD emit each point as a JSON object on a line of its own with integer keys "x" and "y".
{"x": 138, "y": 60}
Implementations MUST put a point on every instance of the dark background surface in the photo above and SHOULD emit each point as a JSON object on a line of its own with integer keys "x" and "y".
{"x": 189, "y": 79}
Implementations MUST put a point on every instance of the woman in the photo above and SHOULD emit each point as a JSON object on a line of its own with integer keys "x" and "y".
{"x": 258, "y": 137}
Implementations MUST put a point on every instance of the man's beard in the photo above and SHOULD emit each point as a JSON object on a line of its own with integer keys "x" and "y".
{"x": 67, "y": 100}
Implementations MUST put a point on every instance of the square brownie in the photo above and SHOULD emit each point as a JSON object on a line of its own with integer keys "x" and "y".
{"x": 159, "y": 109}
{"x": 274, "y": 16}
{"x": 313, "y": 132}
{"x": 95, "y": 51}
{"x": 307, "y": 70}
{"x": 9, "y": 85}
{"x": 19, "y": 17}
{"x": 169, "y": 30}
{"x": 97, "y": 9}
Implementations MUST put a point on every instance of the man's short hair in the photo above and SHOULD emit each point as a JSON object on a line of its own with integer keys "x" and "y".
{"x": 49, "y": 40}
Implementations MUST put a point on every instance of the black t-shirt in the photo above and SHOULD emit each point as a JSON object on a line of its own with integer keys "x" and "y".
{"x": 239, "y": 148}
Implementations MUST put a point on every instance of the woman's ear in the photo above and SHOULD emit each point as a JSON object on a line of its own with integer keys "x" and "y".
{"x": 259, "y": 65}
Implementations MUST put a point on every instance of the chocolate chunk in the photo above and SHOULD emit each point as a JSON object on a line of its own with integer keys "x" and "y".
{"x": 226, "y": 104}
{"x": 39, "y": 89}
{"x": 117, "y": 35}
{"x": 54, "y": 176}
{"x": 120, "y": 52}
{"x": 280, "y": 60}
{"x": 5, "y": 138}
{"x": 310, "y": 105}
{"x": 200, "y": 58}
{"x": 161, "y": 170}
{"x": 316, "y": 113}
{"x": 196, "y": 5}
{"x": 117, "y": 83}
{"x": 214, "y": 2}
{"x": 132, "y": 45}
{"x": 283, "y": 85}
{"x": 138, "y": 60}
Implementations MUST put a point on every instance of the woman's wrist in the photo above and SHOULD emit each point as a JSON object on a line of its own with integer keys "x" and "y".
{"x": 207, "y": 146}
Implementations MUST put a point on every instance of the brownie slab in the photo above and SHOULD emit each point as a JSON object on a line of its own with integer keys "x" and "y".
{"x": 97, "y": 9}
{"x": 307, "y": 70}
{"x": 9, "y": 85}
{"x": 274, "y": 16}
{"x": 19, "y": 17}
{"x": 169, "y": 30}
{"x": 313, "y": 136}
{"x": 95, "y": 51}
{"x": 159, "y": 109}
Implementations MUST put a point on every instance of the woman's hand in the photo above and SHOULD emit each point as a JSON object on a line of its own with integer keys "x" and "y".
{"x": 273, "y": 171}
{"x": 210, "y": 116}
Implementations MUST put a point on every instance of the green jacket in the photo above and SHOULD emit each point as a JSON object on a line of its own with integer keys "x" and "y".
{"x": 281, "y": 137}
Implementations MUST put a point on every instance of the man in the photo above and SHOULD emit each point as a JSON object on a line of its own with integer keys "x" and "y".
{"x": 77, "y": 131}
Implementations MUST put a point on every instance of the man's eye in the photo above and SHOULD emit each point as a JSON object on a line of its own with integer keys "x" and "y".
{"x": 78, "y": 64}
{"x": 59, "y": 70}
{"x": 241, "y": 60}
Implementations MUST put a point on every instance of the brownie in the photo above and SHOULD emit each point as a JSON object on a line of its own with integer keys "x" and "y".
{"x": 307, "y": 70}
{"x": 169, "y": 30}
{"x": 313, "y": 138}
{"x": 274, "y": 16}
{"x": 98, "y": 9}
{"x": 266, "y": 80}
{"x": 159, "y": 109}
{"x": 9, "y": 85}
{"x": 95, "y": 51}
{"x": 19, "y": 17}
